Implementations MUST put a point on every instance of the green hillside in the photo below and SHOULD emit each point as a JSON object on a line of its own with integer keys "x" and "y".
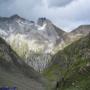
{"x": 70, "y": 69}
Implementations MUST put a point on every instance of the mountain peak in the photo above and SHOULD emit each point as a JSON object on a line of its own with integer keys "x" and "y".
{"x": 15, "y": 16}
{"x": 84, "y": 26}
{"x": 82, "y": 29}
{"x": 42, "y": 21}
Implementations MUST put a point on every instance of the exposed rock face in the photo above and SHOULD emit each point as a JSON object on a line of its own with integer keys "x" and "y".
{"x": 79, "y": 32}
{"x": 83, "y": 29}
{"x": 76, "y": 34}
{"x": 15, "y": 73}
{"x": 34, "y": 42}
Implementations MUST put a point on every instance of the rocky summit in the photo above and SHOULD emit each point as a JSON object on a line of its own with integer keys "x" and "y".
{"x": 36, "y": 42}
{"x": 32, "y": 41}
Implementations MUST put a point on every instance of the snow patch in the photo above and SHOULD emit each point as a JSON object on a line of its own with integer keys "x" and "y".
{"x": 2, "y": 32}
{"x": 41, "y": 28}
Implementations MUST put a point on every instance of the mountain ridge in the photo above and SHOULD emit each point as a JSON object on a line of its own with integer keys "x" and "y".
{"x": 36, "y": 42}
{"x": 28, "y": 37}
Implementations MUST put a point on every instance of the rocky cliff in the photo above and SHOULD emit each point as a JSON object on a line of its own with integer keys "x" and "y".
{"x": 33, "y": 41}
{"x": 15, "y": 73}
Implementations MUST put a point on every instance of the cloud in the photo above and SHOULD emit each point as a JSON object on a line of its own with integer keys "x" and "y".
{"x": 59, "y": 3}
{"x": 66, "y": 14}
{"x": 21, "y": 7}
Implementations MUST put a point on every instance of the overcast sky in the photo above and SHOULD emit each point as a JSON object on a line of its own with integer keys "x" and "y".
{"x": 67, "y": 14}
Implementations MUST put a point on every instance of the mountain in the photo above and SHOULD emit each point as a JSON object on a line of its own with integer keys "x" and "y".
{"x": 15, "y": 73}
{"x": 70, "y": 68}
{"x": 79, "y": 32}
{"x": 82, "y": 29}
{"x": 35, "y": 46}
{"x": 35, "y": 42}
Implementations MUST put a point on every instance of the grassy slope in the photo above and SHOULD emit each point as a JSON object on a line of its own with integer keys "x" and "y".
{"x": 73, "y": 64}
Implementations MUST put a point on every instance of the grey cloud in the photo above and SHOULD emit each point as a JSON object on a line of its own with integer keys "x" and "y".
{"x": 21, "y": 7}
{"x": 59, "y": 3}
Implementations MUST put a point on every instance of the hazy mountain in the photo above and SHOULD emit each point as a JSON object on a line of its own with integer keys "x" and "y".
{"x": 82, "y": 29}
{"x": 79, "y": 32}
{"x": 15, "y": 73}
{"x": 33, "y": 41}
{"x": 70, "y": 68}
